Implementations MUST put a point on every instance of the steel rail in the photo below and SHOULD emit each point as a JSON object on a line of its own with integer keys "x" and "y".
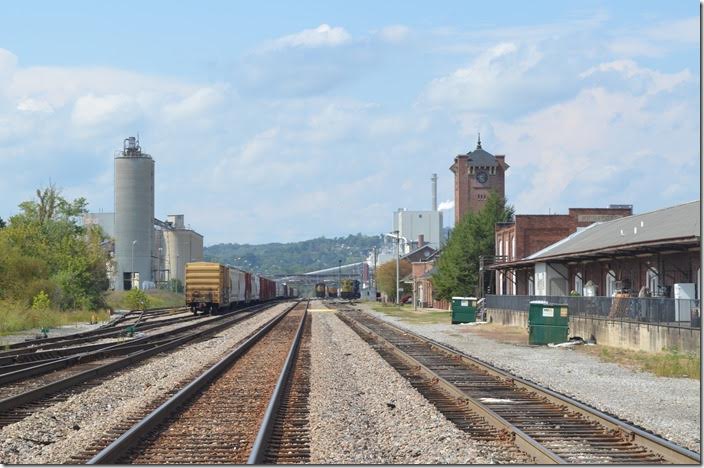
{"x": 93, "y": 352}
{"x": 663, "y": 447}
{"x": 261, "y": 442}
{"x": 38, "y": 393}
{"x": 532, "y": 447}
{"x": 58, "y": 343}
{"x": 120, "y": 446}
{"x": 668, "y": 450}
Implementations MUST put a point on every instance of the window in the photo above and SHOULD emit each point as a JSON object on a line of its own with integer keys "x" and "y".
{"x": 493, "y": 170}
{"x": 578, "y": 284}
{"x": 471, "y": 170}
{"x": 531, "y": 286}
{"x": 651, "y": 281}
{"x": 513, "y": 247}
{"x": 610, "y": 283}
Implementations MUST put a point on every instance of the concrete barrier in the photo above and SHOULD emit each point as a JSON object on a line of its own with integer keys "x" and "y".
{"x": 512, "y": 318}
{"x": 627, "y": 335}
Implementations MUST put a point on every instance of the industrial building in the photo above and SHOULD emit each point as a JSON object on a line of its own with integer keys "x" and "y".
{"x": 651, "y": 253}
{"x": 413, "y": 225}
{"x": 147, "y": 252}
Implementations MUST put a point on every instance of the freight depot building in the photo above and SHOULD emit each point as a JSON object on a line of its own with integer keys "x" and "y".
{"x": 146, "y": 251}
{"x": 654, "y": 250}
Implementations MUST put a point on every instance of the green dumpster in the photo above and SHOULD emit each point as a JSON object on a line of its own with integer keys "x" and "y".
{"x": 464, "y": 309}
{"x": 547, "y": 322}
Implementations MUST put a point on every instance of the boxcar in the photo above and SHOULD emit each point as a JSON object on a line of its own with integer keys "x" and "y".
{"x": 207, "y": 286}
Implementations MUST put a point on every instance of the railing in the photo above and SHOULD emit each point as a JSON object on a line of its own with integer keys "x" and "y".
{"x": 683, "y": 313}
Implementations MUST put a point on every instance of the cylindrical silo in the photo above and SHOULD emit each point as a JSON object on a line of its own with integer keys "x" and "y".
{"x": 134, "y": 214}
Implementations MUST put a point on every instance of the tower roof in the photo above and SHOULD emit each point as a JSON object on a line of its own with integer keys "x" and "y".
{"x": 480, "y": 157}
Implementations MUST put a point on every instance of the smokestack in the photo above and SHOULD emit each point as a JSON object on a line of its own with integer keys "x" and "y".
{"x": 435, "y": 191}
{"x": 421, "y": 240}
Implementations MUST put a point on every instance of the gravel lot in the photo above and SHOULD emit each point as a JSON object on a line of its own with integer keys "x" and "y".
{"x": 668, "y": 406}
{"x": 56, "y": 433}
{"x": 363, "y": 411}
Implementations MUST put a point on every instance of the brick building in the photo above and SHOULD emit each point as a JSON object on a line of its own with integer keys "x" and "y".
{"x": 528, "y": 234}
{"x": 477, "y": 173}
{"x": 654, "y": 250}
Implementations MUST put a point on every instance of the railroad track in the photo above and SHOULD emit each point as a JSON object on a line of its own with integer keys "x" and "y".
{"x": 549, "y": 427}
{"x": 245, "y": 408}
{"x": 21, "y": 352}
{"x": 23, "y": 398}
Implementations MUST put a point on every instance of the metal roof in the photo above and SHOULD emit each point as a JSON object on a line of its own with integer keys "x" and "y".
{"x": 480, "y": 157}
{"x": 676, "y": 224}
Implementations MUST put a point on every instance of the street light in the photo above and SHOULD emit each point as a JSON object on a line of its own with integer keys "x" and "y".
{"x": 398, "y": 255}
{"x": 134, "y": 242}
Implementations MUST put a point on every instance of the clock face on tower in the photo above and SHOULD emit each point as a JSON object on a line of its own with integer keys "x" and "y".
{"x": 482, "y": 177}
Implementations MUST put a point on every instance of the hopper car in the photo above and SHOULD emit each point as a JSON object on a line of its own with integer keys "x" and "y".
{"x": 213, "y": 286}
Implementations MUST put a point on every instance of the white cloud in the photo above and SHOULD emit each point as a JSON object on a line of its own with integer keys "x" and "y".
{"x": 197, "y": 103}
{"x": 113, "y": 109}
{"x": 597, "y": 148}
{"x": 681, "y": 30}
{"x": 506, "y": 77}
{"x": 395, "y": 33}
{"x": 657, "y": 81}
{"x": 34, "y": 105}
{"x": 322, "y": 36}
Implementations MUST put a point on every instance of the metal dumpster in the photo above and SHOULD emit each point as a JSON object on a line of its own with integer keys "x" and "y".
{"x": 547, "y": 322}
{"x": 464, "y": 309}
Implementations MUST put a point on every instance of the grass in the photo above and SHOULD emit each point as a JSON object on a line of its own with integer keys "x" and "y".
{"x": 669, "y": 363}
{"x": 408, "y": 315}
{"x": 15, "y": 317}
{"x": 157, "y": 298}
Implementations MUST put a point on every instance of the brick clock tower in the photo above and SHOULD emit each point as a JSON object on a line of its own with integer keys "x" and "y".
{"x": 477, "y": 173}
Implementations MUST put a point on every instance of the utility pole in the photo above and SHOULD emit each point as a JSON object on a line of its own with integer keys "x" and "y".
{"x": 132, "y": 268}
{"x": 339, "y": 278}
{"x": 398, "y": 257}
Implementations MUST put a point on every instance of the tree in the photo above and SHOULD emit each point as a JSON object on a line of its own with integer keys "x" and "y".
{"x": 458, "y": 266}
{"x": 137, "y": 299}
{"x": 386, "y": 277}
{"x": 2, "y": 223}
{"x": 44, "y": 248}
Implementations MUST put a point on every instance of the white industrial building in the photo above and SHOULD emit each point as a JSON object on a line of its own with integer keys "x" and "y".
{"x": 147, "y": 251}
{"x": 413, "y": 224}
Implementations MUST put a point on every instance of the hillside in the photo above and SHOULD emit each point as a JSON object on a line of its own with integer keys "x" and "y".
{"x": 294, "y": 257}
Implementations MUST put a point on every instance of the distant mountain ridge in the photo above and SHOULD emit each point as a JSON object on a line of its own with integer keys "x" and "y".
{"x": 294, "y": 257}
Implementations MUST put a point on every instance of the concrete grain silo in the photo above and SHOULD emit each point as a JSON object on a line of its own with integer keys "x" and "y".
{"x": 134, "y": 215}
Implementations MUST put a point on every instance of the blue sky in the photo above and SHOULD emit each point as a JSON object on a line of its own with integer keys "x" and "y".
{"x": 283, "y": 121}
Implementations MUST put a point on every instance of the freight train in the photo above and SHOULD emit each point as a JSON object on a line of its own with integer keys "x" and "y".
{"x": 212, "y": 286}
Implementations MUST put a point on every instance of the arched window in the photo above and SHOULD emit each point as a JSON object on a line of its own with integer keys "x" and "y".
{"x": 578, "y": 284}
{"x": 610, "y": 283}
{"x": 652, "y": 281}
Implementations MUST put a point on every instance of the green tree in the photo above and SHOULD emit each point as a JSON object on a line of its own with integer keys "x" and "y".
{"x": 2, "y": 223}
{"x": 41, "y": 302}
{"x": 136, "y": 299}
{"x": 45, "y": 248}
{"x": 458, "y": 266}
{"x": 386, "y": 277}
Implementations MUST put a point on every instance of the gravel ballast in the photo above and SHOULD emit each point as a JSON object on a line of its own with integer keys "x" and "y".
{"x": 54, "y": 434}
{"x": 667, "y": 406}
{"x": 363, "y": 411}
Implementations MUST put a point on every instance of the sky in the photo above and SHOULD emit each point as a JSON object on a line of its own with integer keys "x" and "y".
{"x": 281, "y": 121}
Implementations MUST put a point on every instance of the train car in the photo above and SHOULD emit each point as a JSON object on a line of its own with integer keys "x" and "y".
{"x": 207, "y": 286}
{"x": 347, "y": 289}
{"x": 356, "y": 292}
{"x": 331, "y": 291}
{"x": 320, "y": 290}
